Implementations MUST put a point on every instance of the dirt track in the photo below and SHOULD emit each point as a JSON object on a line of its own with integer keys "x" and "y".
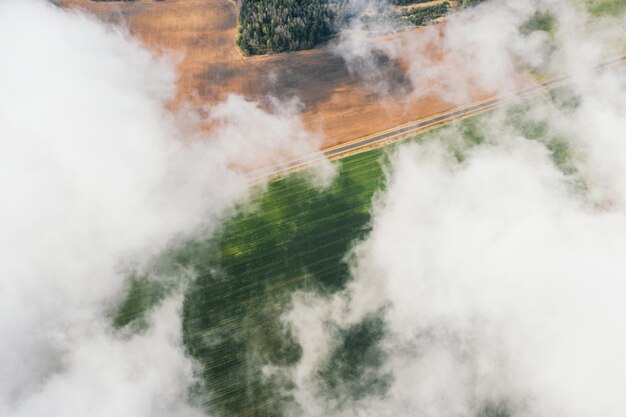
{"x": 336, "y": 103}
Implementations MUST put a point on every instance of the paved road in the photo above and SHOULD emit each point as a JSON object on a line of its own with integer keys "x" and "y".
{"x": 402, "y": 132}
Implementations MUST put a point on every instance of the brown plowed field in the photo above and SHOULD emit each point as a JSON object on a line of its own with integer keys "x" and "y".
{"x": 337, "y": 104}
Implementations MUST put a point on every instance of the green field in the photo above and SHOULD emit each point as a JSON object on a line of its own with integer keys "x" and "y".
{"x": 291, "y": 237}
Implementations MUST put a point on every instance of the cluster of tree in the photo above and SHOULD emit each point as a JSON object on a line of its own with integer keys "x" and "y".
{"x": 270, "y": 26}
{"x": 419, "y": 16}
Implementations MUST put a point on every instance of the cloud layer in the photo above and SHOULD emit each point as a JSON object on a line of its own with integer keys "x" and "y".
{"x": 97, "y": 178}
{"x": 499, "y": 275}
{"x": 498, "y": 278}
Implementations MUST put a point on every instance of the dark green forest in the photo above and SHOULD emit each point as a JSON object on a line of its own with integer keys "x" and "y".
{"x": 271, "y": 26}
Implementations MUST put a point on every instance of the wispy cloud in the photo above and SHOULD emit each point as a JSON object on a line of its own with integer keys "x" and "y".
{"x": 498, "y": 274}
{"x": 97, "y": 178}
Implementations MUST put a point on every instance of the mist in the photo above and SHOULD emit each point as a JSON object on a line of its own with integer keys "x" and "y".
{"x": 498, "y": 270}
{"x": 494, "y": 269}
{"x": 97, "y": 179}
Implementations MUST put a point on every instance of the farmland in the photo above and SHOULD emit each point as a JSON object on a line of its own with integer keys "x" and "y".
{"x": 232, "y": 208}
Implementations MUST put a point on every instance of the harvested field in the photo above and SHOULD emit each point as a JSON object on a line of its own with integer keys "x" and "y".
{"x": 337, "y": 103}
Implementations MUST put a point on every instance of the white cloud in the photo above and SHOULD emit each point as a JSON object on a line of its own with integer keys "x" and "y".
{"x": 500, "y": 278}
{"x": 96, "y": 177}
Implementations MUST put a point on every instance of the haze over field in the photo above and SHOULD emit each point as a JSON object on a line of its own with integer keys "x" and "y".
{"x": 494, "y": 268}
